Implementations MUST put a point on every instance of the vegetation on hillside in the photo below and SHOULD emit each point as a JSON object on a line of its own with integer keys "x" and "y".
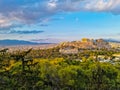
{"x": 48, "y": 69}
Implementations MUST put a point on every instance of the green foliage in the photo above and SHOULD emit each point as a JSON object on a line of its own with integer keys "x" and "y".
{"x": 50, "y": 70}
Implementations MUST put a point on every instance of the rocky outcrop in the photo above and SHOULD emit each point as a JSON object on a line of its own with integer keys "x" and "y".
{"x": 68, "y": 50}
{"x": 86, "y": 43}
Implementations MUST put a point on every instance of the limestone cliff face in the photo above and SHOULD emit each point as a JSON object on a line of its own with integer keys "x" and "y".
{"x": 100, "y": 43}
{"x": 87, "y": 44}
{"x": 68, "y": 50}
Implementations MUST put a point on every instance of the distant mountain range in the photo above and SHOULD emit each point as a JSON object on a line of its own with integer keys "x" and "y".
{"x": 8, "y": 42}
{"x": 112, "y": 40}
{"x": 47, "y": 40}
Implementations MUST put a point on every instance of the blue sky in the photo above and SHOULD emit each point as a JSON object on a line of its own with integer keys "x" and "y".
{"x": 59, "y": 20}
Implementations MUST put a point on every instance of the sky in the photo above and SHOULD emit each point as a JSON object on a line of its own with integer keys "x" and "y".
{"x": 59, "y": 20}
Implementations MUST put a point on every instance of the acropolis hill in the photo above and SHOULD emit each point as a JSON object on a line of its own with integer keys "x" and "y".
{"x": 86, "y": 43}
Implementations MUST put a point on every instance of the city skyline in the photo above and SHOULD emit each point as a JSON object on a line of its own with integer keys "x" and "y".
{"x": 59, "y": 20}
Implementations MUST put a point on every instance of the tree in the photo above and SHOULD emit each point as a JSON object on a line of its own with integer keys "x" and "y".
{"x": 21, "y": 56}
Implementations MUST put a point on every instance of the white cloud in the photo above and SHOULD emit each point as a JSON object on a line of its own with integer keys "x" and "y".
{"x": 103, "y": 6}
{"x": 52, "y": 3}
{"x": 37, "y": 11}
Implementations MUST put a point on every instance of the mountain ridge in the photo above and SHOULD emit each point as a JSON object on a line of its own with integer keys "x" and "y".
{"x": 112, "y": 40}
{"x": 10, "y": 42}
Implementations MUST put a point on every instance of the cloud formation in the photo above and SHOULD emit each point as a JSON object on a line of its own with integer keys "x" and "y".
{"x": 36, "y": 11}
{"x": 26, "y": 32}
{"x": 22, "y": 32}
